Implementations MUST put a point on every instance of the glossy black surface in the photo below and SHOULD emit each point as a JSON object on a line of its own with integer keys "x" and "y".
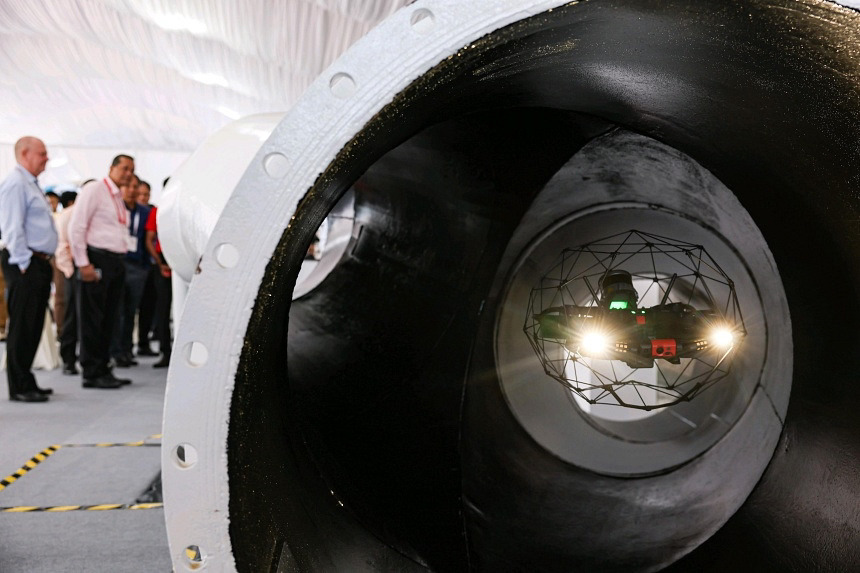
{"x": 346, "y": 446}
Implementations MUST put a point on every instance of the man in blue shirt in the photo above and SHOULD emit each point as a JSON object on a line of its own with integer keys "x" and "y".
{"x": 27, "y": 230}
{"x": 136, "y": 270}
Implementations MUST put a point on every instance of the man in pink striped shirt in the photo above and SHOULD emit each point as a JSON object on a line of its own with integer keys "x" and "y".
{"x": 99, "y": 239}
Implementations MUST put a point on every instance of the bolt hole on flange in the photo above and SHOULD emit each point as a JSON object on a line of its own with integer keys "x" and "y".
{"x": 342, "y": 85}
{"x": 196, "y": 354}
{"x": 193, "y": 558}
{"x": 422, "y": 21}
{"x": 185, "y": 456}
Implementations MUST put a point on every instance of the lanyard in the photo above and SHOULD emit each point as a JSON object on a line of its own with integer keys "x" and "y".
{"x": 134, "y": 223}
{"x": 119, "y": 208}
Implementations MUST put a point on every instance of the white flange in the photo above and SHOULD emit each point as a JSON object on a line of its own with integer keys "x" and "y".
{"x": 200, "y": 188}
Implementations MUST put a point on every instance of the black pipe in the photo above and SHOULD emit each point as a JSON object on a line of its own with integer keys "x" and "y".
{"x": 346, "y": 446}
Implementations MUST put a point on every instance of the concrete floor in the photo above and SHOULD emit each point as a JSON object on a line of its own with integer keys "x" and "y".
{"x": 122, "y": 540}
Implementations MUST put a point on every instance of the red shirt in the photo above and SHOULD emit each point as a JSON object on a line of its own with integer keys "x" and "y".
{"x": 151, "y": 226}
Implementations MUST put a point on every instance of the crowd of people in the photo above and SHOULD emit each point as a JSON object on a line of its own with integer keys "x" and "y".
{"x": 102, "y": 254}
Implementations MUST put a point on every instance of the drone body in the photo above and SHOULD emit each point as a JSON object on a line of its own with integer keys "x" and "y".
{"x": 617, "y": 329}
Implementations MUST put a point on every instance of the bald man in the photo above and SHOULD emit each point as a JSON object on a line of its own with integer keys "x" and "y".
{"x": 27, "y": 229}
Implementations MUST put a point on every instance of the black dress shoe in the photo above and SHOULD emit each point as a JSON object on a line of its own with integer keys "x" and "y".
{"x": 122, "y": 381}
{"x": 70, "y": 370}
{"x": 146, "y": 351}
{"x": 45, "y": 391}
{"x": 122, "y": 362}
{"x": 130, "y": 358}
{"x": 163, "y": 363}
{"x": 31, "y": 396}
{"x": 103, "y": 382}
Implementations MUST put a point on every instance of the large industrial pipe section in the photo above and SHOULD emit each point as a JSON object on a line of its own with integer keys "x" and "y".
{"x": 392, "y": 416}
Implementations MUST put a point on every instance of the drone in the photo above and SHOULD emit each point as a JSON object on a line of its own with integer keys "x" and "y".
{"x": 617, "y": 329}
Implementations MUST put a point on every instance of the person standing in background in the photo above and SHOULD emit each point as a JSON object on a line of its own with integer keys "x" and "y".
{"x": 4, "y": 313}
{"x": 136, "y": 270}
{"x": 58, "y": 278}
{"x": 28, "y": 231}
{"x": 53, "y": 199}
{"x": 98, "y": 234}
{"x": 144, "y": 192}
{"x": 65, "y": 265}
{"x": 147, "y": 302}
{"x": 163, "y": 288}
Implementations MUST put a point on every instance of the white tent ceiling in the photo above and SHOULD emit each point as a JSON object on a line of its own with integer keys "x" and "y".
{"x": 153, "y": 78}
{"x": 163, "y": 74}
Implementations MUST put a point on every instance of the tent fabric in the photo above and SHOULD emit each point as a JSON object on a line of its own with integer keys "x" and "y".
{"x": 163, "y": 74}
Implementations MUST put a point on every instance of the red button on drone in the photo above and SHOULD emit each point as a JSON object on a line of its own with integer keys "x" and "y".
{"x": 663, "y": 347}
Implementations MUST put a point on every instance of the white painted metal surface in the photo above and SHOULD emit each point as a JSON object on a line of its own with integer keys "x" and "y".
{"x": 195, "y": 196}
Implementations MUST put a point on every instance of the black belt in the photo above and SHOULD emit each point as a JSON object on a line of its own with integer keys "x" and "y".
{"x": 37, "y": 254}
{"x": 105, "y": 252}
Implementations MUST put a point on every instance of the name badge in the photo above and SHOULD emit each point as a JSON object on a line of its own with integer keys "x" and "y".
{"x": 131, "y": 243}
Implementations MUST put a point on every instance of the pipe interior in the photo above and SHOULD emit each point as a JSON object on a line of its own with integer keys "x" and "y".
{"x": 345, "y": 448}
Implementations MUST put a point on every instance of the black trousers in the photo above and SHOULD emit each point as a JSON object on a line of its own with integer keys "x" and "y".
{"x": 27, "y": 301}
{"x": 69, "y": 334}
{"x": 163, "y": 300}
{"x": 147, "y": 309}
{"x": 98, "y": 304}
{"x": 123, "y": 334}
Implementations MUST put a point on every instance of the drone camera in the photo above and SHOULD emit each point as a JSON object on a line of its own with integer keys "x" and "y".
{"x": 663, "y": 347}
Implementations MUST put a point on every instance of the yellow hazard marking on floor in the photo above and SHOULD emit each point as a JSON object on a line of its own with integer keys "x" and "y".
{"x": 138, "y": 443}
{"x": 151, "y": 505}
{"x": 47, "y": 452}
{"x": 61, "y": 508}
{"x": 28, "y": 465}
{"x": 113, "y": 445}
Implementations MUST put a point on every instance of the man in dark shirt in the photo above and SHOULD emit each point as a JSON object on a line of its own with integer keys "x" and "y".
{"x": 146, "y": 312}
{"x": 136, "y": 271}
{"x": 163, "y": 287}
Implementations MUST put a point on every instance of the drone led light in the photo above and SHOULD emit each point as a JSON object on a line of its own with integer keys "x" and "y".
{"x": 722, "y": 338}
{"x": 593, "y": 344}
